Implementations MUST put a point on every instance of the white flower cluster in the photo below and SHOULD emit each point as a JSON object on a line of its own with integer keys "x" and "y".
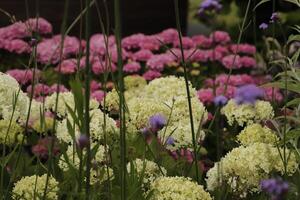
{"x": 243, "y": 168}
{"x": 167, "y": 97}
{"x": 98, "y": 128}
{"x": 99, "y": 173}
{"x": 12, "y": 100}
{"x": 247, "y": 113}
{"x": 149, "y": 169}
{"x": 177, "y": 188}
{"x": 31, "y": 187}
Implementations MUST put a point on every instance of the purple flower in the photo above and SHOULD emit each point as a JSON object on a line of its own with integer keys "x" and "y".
{"x": 220, "y": 100}
{"x": 248, "y": 94}
{"x": 274, "y": 17}
{"x": 157, "y": 122}
{"x": 276, "y": 188}
{"x": 263, "y": 26}
{"x": 145, "y": 131}
{"x": 82, "y": 141}
{"x": 209, "y": 5}
{"x": 170, "y": 140}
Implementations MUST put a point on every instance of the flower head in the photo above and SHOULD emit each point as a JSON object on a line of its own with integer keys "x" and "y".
{"x": 263, "y": 26}
{"x": 157, "y": 122}
{"x": 220, "y": 100}
{"x": 276, "y": 188}
{"x": 274, "y": 17}
{"x": 248, "y": 94}
{"x": 83, "y": 141}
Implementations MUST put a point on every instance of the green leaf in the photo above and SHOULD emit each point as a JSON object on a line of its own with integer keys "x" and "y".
{"x": 293, "y": 38}
{"x": 297, "y": 2}
{"x": 294, "y": 102}
{"x": 290, "y": 86}
{"x": 261, "y": 2}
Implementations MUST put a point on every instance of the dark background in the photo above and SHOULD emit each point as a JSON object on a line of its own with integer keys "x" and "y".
{"x": 146, "y": 16}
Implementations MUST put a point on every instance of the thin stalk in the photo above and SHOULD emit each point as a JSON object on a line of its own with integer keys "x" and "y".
{"x": 238, "y": 44}
{"x": 57, "y": 95}
{"x": 118, "y": 34}
{"x": 105, "y": 31}
{"x": 87, "y": 96}
{"x": 26, "y": 123}
{"x": 187, "y": 89}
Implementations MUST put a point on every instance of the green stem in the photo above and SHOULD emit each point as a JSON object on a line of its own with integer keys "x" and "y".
{"x": 50, "y": 161}
{"x": 87, "y": 96}
{"x": 118, "y": 34}
{"x": 187, "y": 89}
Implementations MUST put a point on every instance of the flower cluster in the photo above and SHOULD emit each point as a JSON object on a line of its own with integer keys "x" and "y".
{"x": 243, "y": 168}
{"x": 235, "y": 84}
{"x": 99, "y": 172}
{"x": 165, "y": 96}
{"x": 176, "y": 188}
{"x": 30, "y": 187}
{"x": 96, "y": 127}
{"x": 255, "y": 133}
{"x": 13, "y": 102}
{"x": 148, "y": 169}
{"x": 247, "y": 113}
{"x": 12, "y": 37}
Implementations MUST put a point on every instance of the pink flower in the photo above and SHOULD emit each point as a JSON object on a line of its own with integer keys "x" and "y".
{"x": 159, "y": 61}
{"x": 199, "y": 56}
{"x": 142, "y": 55}
{"x": 243, "y": 48}
{"x": 202, "y": 41}
{"x": 94, "y": 85}
{"x": 23, "y": 76}
{"x": 133, "y": 41}
{"x": 248, "y": 62}
{"x": 41, "y": 149}
{"x": 169, "y": 35}
{"x": 100, "y": 67}
{"x": 132, "y": 67}
{"x": 98, "y": 44}
{"x": 210, "y": 116}
{"x": 260, "y": 80}
{"x": 17, "y": 46}
{"x": 214, "y": 55}
{"x": 151, "y": 42}
{"x": 21, "y": 30}
{"x": 206, "y": 96}
{"x": 114, "y": 54}
{"x": 40, "y": 99}
{"x": 39, "y": 25}
{"x": 38, "y": 90}
{"x": 234, "y": 80}
{"x": 230, "y": 91}
{"x": 71, "y": 45}
{"x": 187, "y": 43}
{"x": 48, "y": 51}
{"x": 82, "y": 62}
{"x": 222, "y": 50}
{"x": 220, "y": 37}
{"x": 151, "y": 74}
{"x": 67, "y": 66}
{"x": 17, "y": 30}
{"x": 209, "y": 82}
{"x": 232, "y": 61}
{"x": 98, "y": 95}
{"x": 61, "y": 89}
{"x": 273, "y": 94}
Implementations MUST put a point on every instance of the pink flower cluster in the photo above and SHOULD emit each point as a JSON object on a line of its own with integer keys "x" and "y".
{"x": 49, "y": 50}
{"x": 12, "y": 36}
{"x": 24, "y": 76}
{"x": 216, "y": 87}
